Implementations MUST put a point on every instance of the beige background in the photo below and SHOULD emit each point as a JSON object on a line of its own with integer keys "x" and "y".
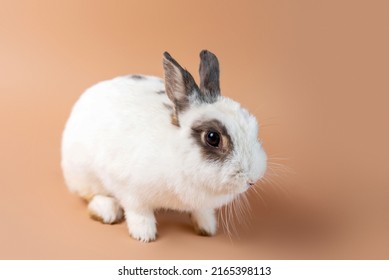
{"x": 315, "y": 73}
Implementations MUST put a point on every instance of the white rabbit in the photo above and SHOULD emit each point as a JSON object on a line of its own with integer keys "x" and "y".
{"x": 138, "y": 143}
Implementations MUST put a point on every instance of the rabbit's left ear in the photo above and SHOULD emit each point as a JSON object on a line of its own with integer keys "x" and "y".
{"x": 209, "y": 76}
{"x": 180, "y": 86}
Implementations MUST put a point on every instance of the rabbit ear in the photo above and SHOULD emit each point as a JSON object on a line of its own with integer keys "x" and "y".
{"x": 179, "y": 84}
{"x": 209, "y": 76}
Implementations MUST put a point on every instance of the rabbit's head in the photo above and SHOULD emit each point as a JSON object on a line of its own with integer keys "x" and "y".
{"x": 221, "y": 148}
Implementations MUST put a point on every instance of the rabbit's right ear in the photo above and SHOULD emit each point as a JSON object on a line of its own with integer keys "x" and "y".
{"x": 179, "y": 84}
{"x": 209, "y": 76}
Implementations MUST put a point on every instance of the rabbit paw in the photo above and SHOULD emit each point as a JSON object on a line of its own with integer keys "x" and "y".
{"x": 204, "y": 222}
{"x": 105, "y": 209}
{"x": 141, "y": 226}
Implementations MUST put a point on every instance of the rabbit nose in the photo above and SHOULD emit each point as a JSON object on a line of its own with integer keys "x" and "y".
{"x": 250, "y": 183}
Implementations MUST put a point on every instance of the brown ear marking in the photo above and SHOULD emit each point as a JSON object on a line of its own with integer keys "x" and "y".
{"x": 179, "y": 85}
{"x": 209, "y": 76}
{"x": 175, "y": 120}
{"x": 221, "y": 153}
{"x": 173, "y": 114}
{"x": 174, "y": 82}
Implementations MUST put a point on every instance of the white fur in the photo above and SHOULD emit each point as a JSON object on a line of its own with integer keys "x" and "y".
{"x": 105, "y": 208}
{"x": 119, "y": 142}
{"x": 205, "y": 221}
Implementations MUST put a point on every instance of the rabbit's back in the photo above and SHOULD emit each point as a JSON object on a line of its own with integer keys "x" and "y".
{"x": 115, "y": 121}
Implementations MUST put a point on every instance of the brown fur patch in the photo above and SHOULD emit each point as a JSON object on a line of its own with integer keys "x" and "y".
{"x": 173, "y": 114}
{"x": 175, "y": 120}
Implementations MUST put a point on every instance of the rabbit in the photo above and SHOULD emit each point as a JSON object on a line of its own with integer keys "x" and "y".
{"x": 135, "y": 144}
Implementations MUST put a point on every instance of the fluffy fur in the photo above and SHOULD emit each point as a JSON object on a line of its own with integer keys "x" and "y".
{"x": 122, "y": 151}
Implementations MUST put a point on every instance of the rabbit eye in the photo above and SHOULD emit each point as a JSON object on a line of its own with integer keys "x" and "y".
{"x": 213, "y": 138}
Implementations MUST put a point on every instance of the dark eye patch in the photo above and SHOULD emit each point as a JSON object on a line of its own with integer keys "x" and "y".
{"x": 213, "y": 139}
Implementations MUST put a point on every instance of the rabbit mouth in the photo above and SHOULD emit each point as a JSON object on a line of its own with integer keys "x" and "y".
{"x": 238, "y": 188}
